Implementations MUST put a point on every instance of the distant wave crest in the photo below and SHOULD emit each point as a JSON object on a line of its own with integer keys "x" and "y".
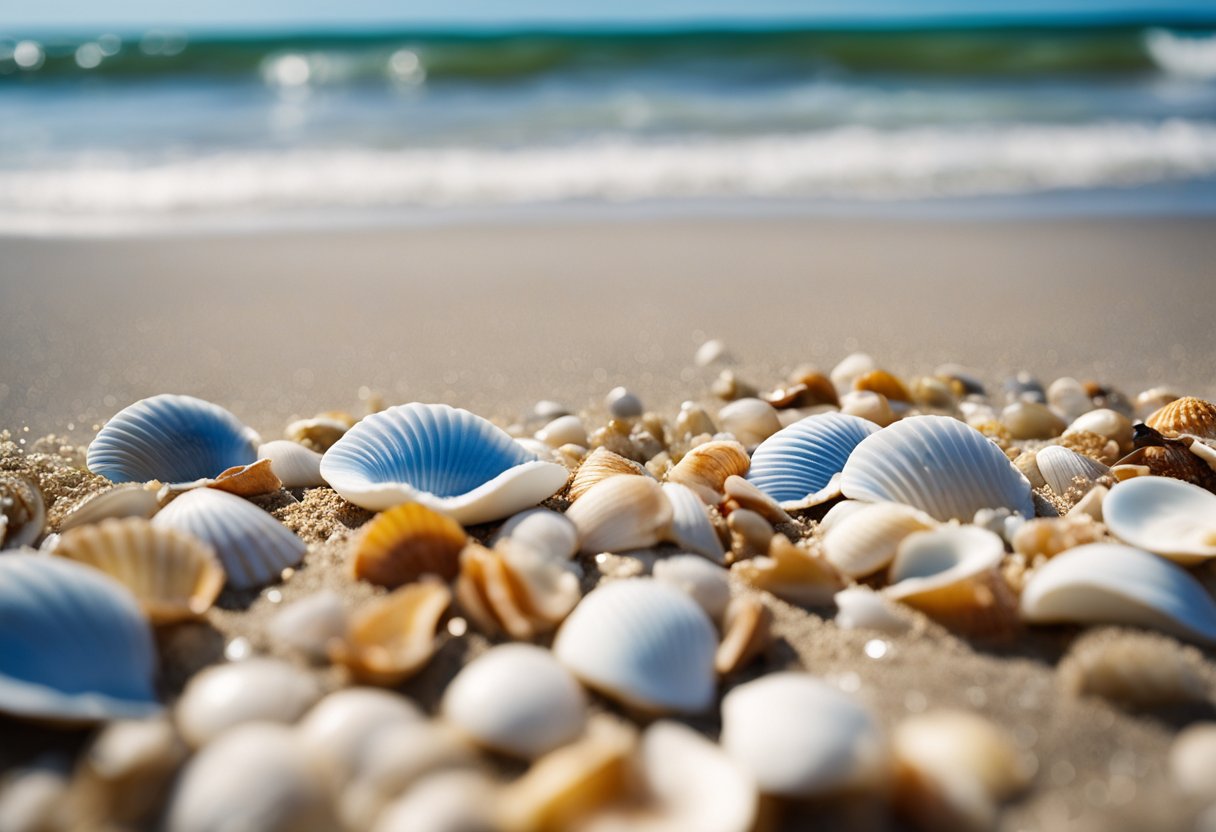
{"x": 1189, "y": 55}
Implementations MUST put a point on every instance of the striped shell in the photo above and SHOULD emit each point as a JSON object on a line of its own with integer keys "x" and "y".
{"x": 172, "y": 439}
{"x": 1187, "y": 415}
{"x": 599, "y": 465}
{"x": 939, "y": 465}
{"x": 404, "y": 543}
{"x": 706, "y": 468}
{"x": 1170, "y": 517}
{"x": 867, "y": 540}
{"x": 294, "y": 465}
{"x": 691, "y": 527}
{"x": 796, "y": 465}
{"x": 1059, "y": 468}
{"x": 619, "y": 514}
{"x": 74, "y": 645}
{"x": 445, "y": 458}
{"x": 120, "y": 501}
{"x": 253, "y": 547}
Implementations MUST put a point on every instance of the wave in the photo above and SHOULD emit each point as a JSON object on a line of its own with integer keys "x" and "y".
{"x": 1183, "y": 54}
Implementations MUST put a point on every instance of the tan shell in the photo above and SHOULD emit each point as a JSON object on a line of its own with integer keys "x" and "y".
{"x": 819, "y": 388}
{"x": 1173, "y": 459}
{"x": 705, "y": 468}
{"x": 1105, "y": 422}
{"x": 1048, "y": 536}
{"x": 791, "y": 573}
{"x": 883, "y": 383}
{"x": 619, "y": 514}
{"x": 242, "y": 480}
{"x": 320, "y": 432}
{"x": 1192, "y": 759}
{"x": 515, "y": 590}
{"x": 746, "y": 633}
{"x": 1186, "y": 415}
{"x": 1141, "y": 670}
{"x": 393, "y": 637}
{"x": 743, "y": 494}
{"x": 599, "y": 465}
{"x": 173, "y": 575}
{"x": 404, "y": 543}
{"x": 22, "y": 512}
{"x": 750, "y": 534}
{"x": 865, "y": 542}
{"x": 1031, "y": 420}
{"x": 751, "y": 421}
{"x": 692, "y": 420}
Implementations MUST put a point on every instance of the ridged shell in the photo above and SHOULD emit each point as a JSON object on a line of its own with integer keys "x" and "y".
{"x": 440, "y": 456}
{"x": 516, "y": 699}
{"x": 706, "y": 468}
{"x": 1170, "y": 517}
{"x": 599, "y": 465}
{"x": 120, "y": 501}
{"x": 391, "y": 638}
{"x": 1108, "y": 583}
{"x": 619, "y": 514}
{"x": 939, "y": 465}
{"x": 643, "y": 643}
{"x": 172, "y": 439}
{"x": 173, "y": 575}
{"x": 253, "y": 547}
{"x": 542, "y": 531}
{"x": 865, "y": 542}
{"x": 255, "y": 690}
{"x": 795, "y": 466}
{"x": 1060, "y": 466}
{"x": 1186, "y": 415}
{"x": 74, "y": 645}
{"x": 22, "y": 512}
{"x": 404, "y": 543}
{"x": 294, "y": 465}
{"x": 691, "y": 527}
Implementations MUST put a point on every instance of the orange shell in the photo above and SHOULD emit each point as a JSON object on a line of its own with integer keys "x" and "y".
{"x": 880, "y": 381}
{"x": 404, "y": 543}
{"x": 1186, "y": 415}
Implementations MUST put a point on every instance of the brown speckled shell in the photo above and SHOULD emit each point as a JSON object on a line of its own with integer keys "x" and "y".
{"x": 1185, "y": 415}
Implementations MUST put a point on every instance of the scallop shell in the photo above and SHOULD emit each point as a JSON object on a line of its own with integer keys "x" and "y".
{"x": 173, "y": 575}
{"x": 866, "y": 541}
{"x": 294, "y": 465}
{"x": 1108, "y": 583}
{"x": 406, "y": 542}
{"x": 691, "y": 527}
{"x": 706, "y": 468}
{"x": 751, "y": 421}
{"x": 22, "y": 512}
{"x": 1061, "y": 469}
{"x": 253, "y": 547}
{"x": 516, "y": 699}
{"x": 939, "y": 465}
{"x": 796, "y": 466}
{"x": 172, "y": 439}
{"x": 619, "y": 514}
{"x": 644, "y": 643}
{"x": 801, "y": 737}
{"x": 514, "y": 589}
{"x": 791, "y": 573}
{"x": 336, "y": 729}
{"x": 705, "y": 583}
{"x": 254, "y": 690}
{"x": 543, "y": 531}
{"x": 1170, "y": 517}
{"x": 74, "y": 645}
{"x": 393, "y": 637}
{"x": 1187, "y": 415}
{"x": 599, "y": 465}
{"x": 443, "y": 457}
{"x": 118, "y": 502}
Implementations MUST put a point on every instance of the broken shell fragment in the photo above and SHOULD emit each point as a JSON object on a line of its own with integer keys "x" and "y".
{"x": 515, "y": 590}
{"x": 743, "y": 494}
{"x": 619, "y": 514}
{"x": 294, "y": 465}
{"x": 402, "y": 544}
{"x": 791, "y": 573}
{"x": 22, "y": 512}
{"x": 691, "y": 527}
{"x": 797, "y": 465}
{"x": 599, "y": 465}
{"x": 1169, "y": 517}
{"x": 746, "y": 633}
{"x": 254, "y": 690}
{"x": 750, "y": 534}
{"x": 866, "y": 541}
{"x": 118, "y": 502}
{"x": 393, "y": 637}
{"x": 706, "y": 467}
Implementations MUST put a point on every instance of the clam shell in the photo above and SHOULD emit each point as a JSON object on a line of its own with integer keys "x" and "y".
{"x": 1187, "y": 415}
{"x": 619, "y": 514}
{"x": 22, "y": 512}
{"x": 294, "y": 465}
{"x": 1108, "y": 583}
{"x": 173, "y": 575}
{"x": 336, "y": 729}
{"x": 172, "y": 439}
{"x": 930, "y": 560}
{"x": 866, "y": 541}
{"x": 791, "y": 572}
{"x": 1104, "y": 422}
{"x": 938, "y": 464}
{"x": 796, "y": 465}
{"x": 599, "y": 465}
{"x": 644, "y": 643}
{"x": 443, "y": 457}
{"x": 801, "y": 737}
{"x": 691, "y": 527}
{"x": 447, "y": 801}
{"x": 74, "y": 645}
{"x": 706, "y": 468}
{"x": 308, "y": 625}
{"x": 253, "y": 547}
{"x": 543, "y": 531}
{"x": 751, "y": 421}
{"x": 393, "y": 637}
{"x": 516, "y": 699}
{"x": 404, "y": 543}
{"x": 254, "y": 690}
{"x": 861, "y": 608}
{"x": 1169, "y": 517}
{"x": 705, "y": 583}
{"x": 118, "y": 502}
{"x": 1061, "y": 468}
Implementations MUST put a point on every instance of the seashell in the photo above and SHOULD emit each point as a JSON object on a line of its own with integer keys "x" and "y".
{"x": 252, "y": 546}
{"x": 623, "y": 404}
{"x": 1171, "y": 458}
{"x": 1137, "y": 670}
{"x": 123, "y": 776}
{"x": 1108, "y": 583}
{"x": 402, "y": 544}
{"x": 294, "y": 465}
{"x": 516, "y": 699}
{"x": 743, "y": 494}
{"x": 750, "y": 534}
{"x": 172, "y": 439}
{"x": 977, "y": 413}
{"x": 248, "y": 480}
{"x": 1152, "y": 400}
{"x": 750, "y": 420}
{"x": 746, "y": 633}
{"x": 1024, "y": 387}
{"x": 74, "y": 645}
{"x": 711, "y": 352}
{"x": 705, "y": 468}
{"x": 1192, "y": 757}
{"x": 392, "y": 638}
{"x": 851, "y": 368}
{"x": 705, "y": 583}
{"x": 22, "y": 512}
{"x": 966, "y": 381}
{"x": 791, "y": 573}
{"x": 838, "y": 512}
{"x": 448, "y": 801}
{"x": 1187, "y": 415}
{"x": 254, "y": 777}
{"x": 691, "y": 527}
{"x": 1201, "y": 449}
{"x": 868, "y": 405}
{"x": 782, "y": 398}
{"x": 543, "y": 531}
{"x": 516, "y": 590}
{"x": 442, "y": 457}
{"x": 728, "y": 387}
{"x": 172, "y": 575}
{"x": 1093, "y": 445}
{"x": 643, "y": 643}
{"x": 617, "y": 436}
{"x": 1168, "y": 517}
{"x": 1104, "y": 422}
{"x": 118, "y": 502}
{"x": 796, "y": 465}
{"x": 1048, "y": 536}
{"x": 321, "y": 432}
{"x": 1091, "y": 504}
{"x": 539, "y": 449}
{"x": 692, "y": 420}
{"x": 599, "y": 465}
{"x": 254, "y": 690}
{"x": 619, "y": 514}
{"x": 307, "y": 626}
{"x": 999, "y": 521}
{"x": 32, "y": 796}
{"x": 819, "y": 388}
{"x": 564, "y": 430}
{"x": 1069, "y": 398}
{"x": 866, "y": 541}
{"x": 801, "y": 737}
{"x": 934, "y": 393}
{"x": 1031, "y": 420}
{"x": 336, "y": 729}
{"x": 1063, "y": 469}
{"x": 883, "y": 383}
{"x": 937, "y": 464}
{"x": 861, "y": 608}
{"x": 547, "y": 410}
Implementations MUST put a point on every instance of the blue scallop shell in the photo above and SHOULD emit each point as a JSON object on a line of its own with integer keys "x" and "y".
{"x": 172, "y": 439}
{"x": 74, "y": 645}
{"x": 796, "y": 464}
{"x": 443, "y": 457}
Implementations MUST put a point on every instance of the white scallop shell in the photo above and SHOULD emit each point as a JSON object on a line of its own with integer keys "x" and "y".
{"x": 866, "y": 540}
{"x": 443, "y": 457}
{"x": 797, "y": 464}
{"x": 516, "y": 699}
{"x": 619, "y": 514}
{"x": 254, "y": 547}
{"x": 943, "y": 556}
{"x": 1172, "y": 518}
{"x": 800, "y": 737}
{"x": 542, "y": 531}
{"x": 74, "y": 644}
{"x": 705, "y": 583}
{"x": 334, "y": 731}
{"x": 691, "y": 527}
{"x": 172, "y": 439}
{"x": 118, "y": 502}
{"x": 1060, "y": 466}
{"x": 1108, "y": 583}
{"x": 644, "y": 643}
{"x": 295, "y": 465}
{"x": 255, "y": 690}
{"x": 938, "y": 464}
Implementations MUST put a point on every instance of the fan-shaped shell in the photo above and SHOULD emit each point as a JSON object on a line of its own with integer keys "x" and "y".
{"x": 172, "y": 574}
{"x": 74, "y": 645}
{"x": 1060, "y": 467}
{"x": 294, "y": 465}
{"x": 253, "y": 547}
{"x": 619, "y": 514}
{"x": 599, "y": 465}
{"x": 1169, "y": 517}
{"x": 443, "y": 457}
{"x": 406, "y": 542}
{"x": 1187, "y": 415}
{"x": 120, "y": 501}
{"x": 796, "y": 465}
{"x": 644, "y": 643}
{"x": 939, "y": 465}
{"x": 1108, "y": 583}
{"x": 542, "y": 531}
{"x": 172, "y": 439}
{"x": 706, "y": 468}
{"x": 691, "y": 527}
{"x": 867, "y": 540}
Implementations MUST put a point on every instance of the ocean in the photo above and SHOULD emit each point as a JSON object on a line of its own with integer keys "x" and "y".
{"x": 163, "y": 131}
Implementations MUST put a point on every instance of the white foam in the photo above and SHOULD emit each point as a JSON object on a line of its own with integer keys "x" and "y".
{"x": 1188, "y": 55}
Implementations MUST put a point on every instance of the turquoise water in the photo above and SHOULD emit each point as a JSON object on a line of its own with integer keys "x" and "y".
{"x": 162, "y": 130}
